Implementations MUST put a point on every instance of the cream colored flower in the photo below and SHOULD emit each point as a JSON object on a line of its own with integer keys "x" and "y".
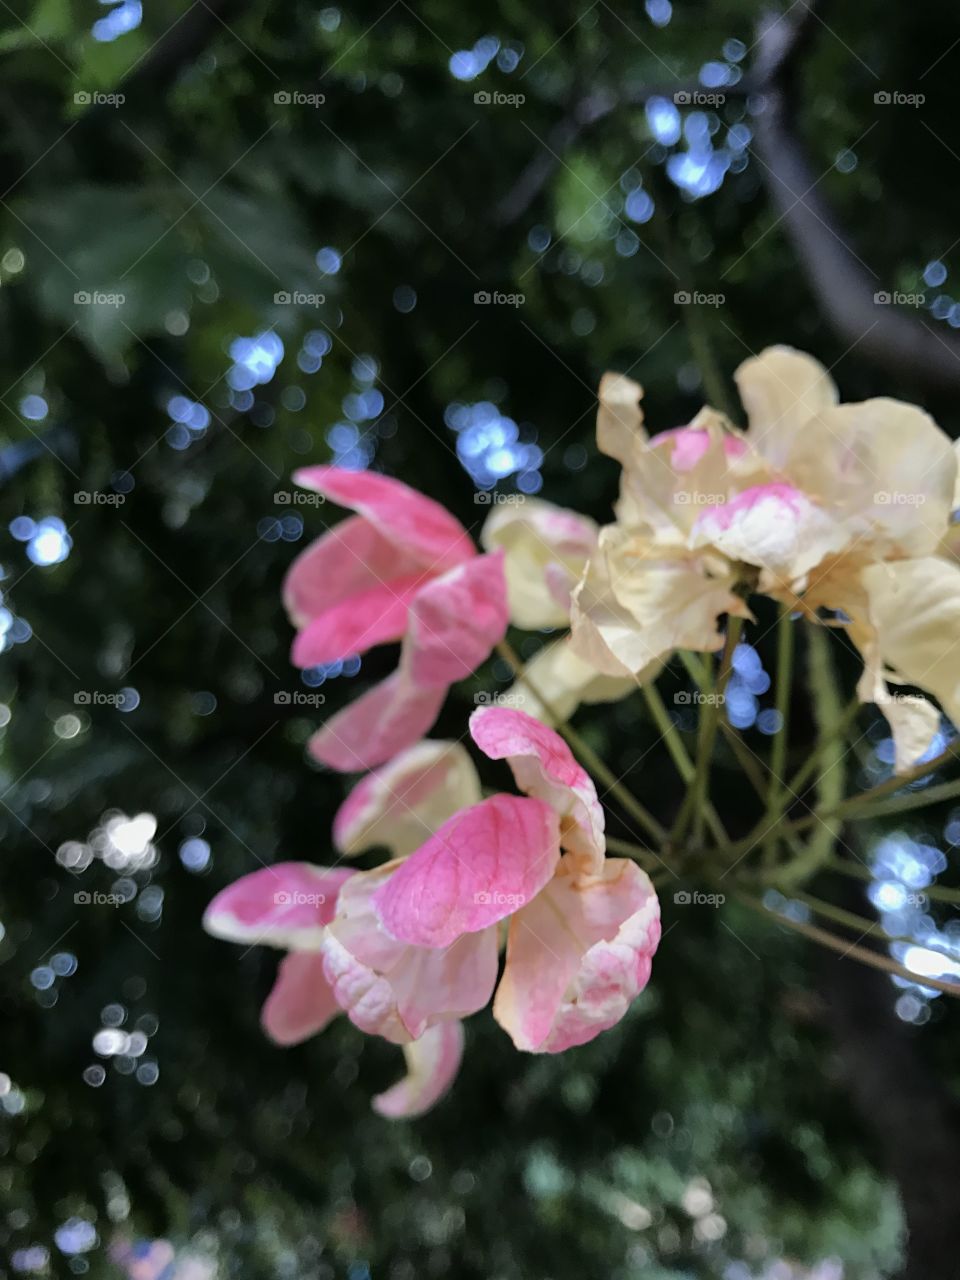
{"x": 819, "y": 505}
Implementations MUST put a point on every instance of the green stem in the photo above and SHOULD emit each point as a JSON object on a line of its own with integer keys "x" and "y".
{"x": 778, "y": 749}
{"x": 873, "y": 958}
{"x": 936, "y": 892}
{"x": 850, "y": 920}
{"x": 681, "y": 756}
{"x": 693, "y": 807}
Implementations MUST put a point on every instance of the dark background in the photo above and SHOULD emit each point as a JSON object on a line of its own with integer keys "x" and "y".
{"x": 821, "y": 1120}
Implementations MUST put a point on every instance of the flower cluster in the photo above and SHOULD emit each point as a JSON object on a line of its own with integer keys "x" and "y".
{"x": 842, "y": 514}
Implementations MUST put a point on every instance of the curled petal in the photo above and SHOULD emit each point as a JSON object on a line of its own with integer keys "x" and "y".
{"x": 556, "y": 681}
{"x": 455, "y": 621}
{"x": 410, "y": 521}
{"x": 914, "y": 607}
{"x": 782, "y": 390}
{"x": 884, "y": 467}
{"x": 546, "y": 550}
{"x": 619, "y": 417}
{"x": 772, "y": 526}
{"x": 285, "y": 905}
{"x": 577, "y": 956}
{"x": 432, "y": 1064}
{"x": 544, "y": 767}
{"x": 479, "y": 867}
{"x": 405, "y": 801}
{"x": 377, "y": 615}
{"x": 392, "y": 989}
{"x": 301, "y": 1002}
{"x": 375, "y": 727}
{"x": 348, "y": 559}
{"x": 674, "y": 599}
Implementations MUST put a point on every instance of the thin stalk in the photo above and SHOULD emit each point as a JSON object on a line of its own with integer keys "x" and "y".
{"x": 936, "y": 892}
{"x": 911, "y": 775}
{"x": 778, "y": 747}
{"x": 845, "y": 949}
{"x": 709, "y": 721}
{"x": 681, "y": 756}
{"x": 586, "y": 753}
{"x": 850, "y": 920}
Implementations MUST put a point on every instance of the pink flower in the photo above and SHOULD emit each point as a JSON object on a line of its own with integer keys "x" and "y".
{"x": 402, "y": 569}
{"x": 413, "y": 944}
{"x": 289, "y": 906}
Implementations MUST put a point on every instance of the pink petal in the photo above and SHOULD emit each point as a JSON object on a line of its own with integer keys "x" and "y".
{"x": 301, "y": 1002}
{"x": 482, "y": 865}
{"x": 394, "y": 990}
{"x": 577, "y": 955}
{"x": 432, "y": 1064}
{"x": 690, "y": 444}
{"x": 410, "y": 521}
{"x": 375, "y": 616}
{"x": 378, "y": 725}
{"x": 543, "y": 766}
{"x": 350, "y": 558}
{"x": 407, "y": 800}
{"x": 285, "y": 905}
{"x": 456, "y": 620}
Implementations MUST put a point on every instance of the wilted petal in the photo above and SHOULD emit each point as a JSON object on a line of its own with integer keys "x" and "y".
{"x": 885, "y": 467}
{"x": 689, "y": 446}
{"x": 455, "y": 621}
{"x": 914, "y": 606}
{"x": 411, "y": 521}
{"x": 284, "y": 905}
{"x": 673, "y": 599}
{"x": 432, "y": 1064}
{"x": 577, "y": 956}
{"x": 913, "y": 723}
{"x": 390, "y": 988}
{"x": 546, "y": 550}
{"x": 348, "y": 559}
{"x": 604, "y": 634}
{"x": 375, "y": 616}
{"x": 375, "y": 727}
{"x": 301, "y": 1002}
{"x": 619, "y": 417}
{"x": 479, "y": 867}
{"x": 407, "y": 800}
{"x": 782, "y": 390}
{"x": 772, "y": 526}
{"x": 556, "y": 681}
{"x": 544, "y": 767}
